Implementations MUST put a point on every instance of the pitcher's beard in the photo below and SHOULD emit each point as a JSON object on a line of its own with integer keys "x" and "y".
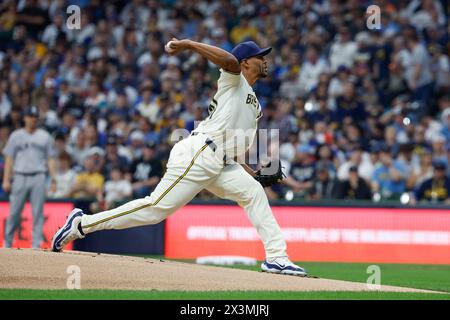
{"x": 263, "y": 73}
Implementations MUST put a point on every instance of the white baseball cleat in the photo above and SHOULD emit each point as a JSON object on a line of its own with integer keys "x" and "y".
{"x": 69, "y": 231}
{"x": 283, "y": 265}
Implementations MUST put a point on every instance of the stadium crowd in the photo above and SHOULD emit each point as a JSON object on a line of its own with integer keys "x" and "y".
{"x": 362, "y": 113}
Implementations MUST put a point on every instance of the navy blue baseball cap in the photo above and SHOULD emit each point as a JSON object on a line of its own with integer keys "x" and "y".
{"x": 248, "y": 49}
{"x": 31, "y": 111}
{"x": 439, "y": 164}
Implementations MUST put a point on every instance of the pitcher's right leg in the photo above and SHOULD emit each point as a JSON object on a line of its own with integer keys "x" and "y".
{"x": 184, "y": 178}
{"x": 173, "y": 191}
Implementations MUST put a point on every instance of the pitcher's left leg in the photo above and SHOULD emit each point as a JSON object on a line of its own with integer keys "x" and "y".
{"x": 186, "y": 176}
{"x": 235, "y": 184}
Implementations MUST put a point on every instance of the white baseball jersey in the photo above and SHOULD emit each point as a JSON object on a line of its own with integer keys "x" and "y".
{"x": 233, "y": 114}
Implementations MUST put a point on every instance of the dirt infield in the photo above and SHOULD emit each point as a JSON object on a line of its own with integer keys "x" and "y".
{"x": 39, "y": 269}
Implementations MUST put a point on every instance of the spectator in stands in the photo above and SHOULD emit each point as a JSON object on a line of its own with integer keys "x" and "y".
{"x": 343, "y": 50}
{"x": 330, "y": 83}
{"x": 136, "y": 145}
{"x": 146, "y": 172}
{"x": 34, "y": 18}
{"x": 389, "y": 176}
{"x": 220, "y": 39}
{"x": 5, "y": 102}
{"x": 438, "y": 146}
{"x": 418, "y": 71}
{"x": 440, "y": 68}
{"x": 427, "y": 13}
{"x": 96, "y": 99}
{"x": 354, "y": 187}
{"x": 390, "y": 139}
{"x": 405, "y": 156}
{"x": 48, "y": 116}
{"x": 8, "y": 19}
{"x": 339, "y": 78}
{"x": 78, "y": 77}
{"x": 422, "y": 170}
{"x": 65, "y": 177}
{"x": 79, "y": 149}
{"x": 323, "y": 184}
{"x": 419, "y": 140}
{"x": 353, "y": 135}
{"x": 112, "y": 158}
{"x": 146, "y": 106}
{"x": 436, "y": 188}
{"x": 89, "y": 183}
{"x": 312, "y": 68}
{"x": 360, "y": 159}
{"x": 444, "y": 105}
{"x": 302, "y": 171}
{"x": 54, "y": 31}
{"x": 243, "y": 31}
{"x": 5, "y": 131}
{"x": 348, "y": 105}
{"x": 93, "y": 136}
{"x": 326, "y": 155}
{"x": 61, "y": 143}
{"x": 288, "y": 149}
{"x": 117, "y": 189}
{"x": 291, "y": 88}
{"x": 323, "y": 112}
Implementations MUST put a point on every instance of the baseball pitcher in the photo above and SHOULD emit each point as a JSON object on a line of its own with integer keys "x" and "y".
{"x": 206, "y": 160}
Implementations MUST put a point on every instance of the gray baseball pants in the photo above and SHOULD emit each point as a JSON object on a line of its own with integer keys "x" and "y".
{"x": 26, "y": 187}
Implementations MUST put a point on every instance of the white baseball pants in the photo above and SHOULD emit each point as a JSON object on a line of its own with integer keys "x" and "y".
{"x": 192, "y": 167}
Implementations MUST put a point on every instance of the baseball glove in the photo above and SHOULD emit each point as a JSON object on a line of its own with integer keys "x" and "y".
{"x": 269, "y": 175}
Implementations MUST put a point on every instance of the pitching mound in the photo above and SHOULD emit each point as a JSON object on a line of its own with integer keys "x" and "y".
{"x": 40, "y": 269}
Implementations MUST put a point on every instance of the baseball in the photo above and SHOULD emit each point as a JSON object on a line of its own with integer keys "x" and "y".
{"x": 168, "y": 46}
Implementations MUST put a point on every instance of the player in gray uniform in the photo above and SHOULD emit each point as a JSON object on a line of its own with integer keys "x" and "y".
{"x": 29, "y": 155}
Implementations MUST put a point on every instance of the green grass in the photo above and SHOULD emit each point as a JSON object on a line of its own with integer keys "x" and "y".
{"x": 28, "y": 294}
{"x": 431, "y": 277}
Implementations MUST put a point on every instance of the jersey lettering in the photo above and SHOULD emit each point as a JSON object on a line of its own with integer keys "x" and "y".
{"x": 251, "y": 99}
{"x": 212, "y": 107}
{"x": 31, "y": 145}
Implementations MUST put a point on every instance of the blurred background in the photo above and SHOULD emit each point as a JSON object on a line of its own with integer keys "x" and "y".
{"x": 363, "y": 114}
